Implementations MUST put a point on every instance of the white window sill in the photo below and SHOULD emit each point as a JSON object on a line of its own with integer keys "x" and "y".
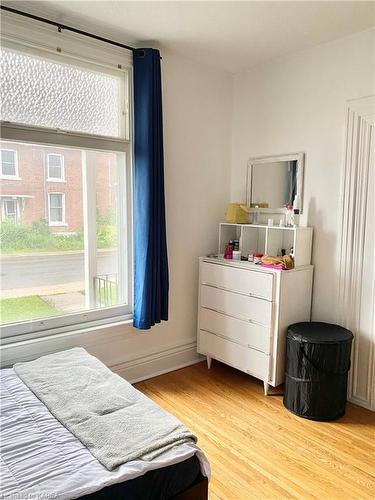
{"x": 67, "y": 331}
{"x": 58, "y": 224}
{"x": 52, "y": 179}
{"x": 11, "y": 177}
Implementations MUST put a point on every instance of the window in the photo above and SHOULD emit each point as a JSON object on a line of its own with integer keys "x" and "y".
{"x": 8, "y": 163}
{"x": 44, "y": 93}
{"x": 56, "y": 209}
{"x": 55, "y": 167}
{"x": 10, "y": 210}
{"x": 64, "y": 111}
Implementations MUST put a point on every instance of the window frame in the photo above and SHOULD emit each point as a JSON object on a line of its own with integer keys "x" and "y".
{"x": 41, "y": 51}
{"x": 85, "y": 320}
{"x": 52, "y": 223}
{"x": 16, "y": 176}
{"x": 30, "y": 37}
{"x": 62, "y": 168}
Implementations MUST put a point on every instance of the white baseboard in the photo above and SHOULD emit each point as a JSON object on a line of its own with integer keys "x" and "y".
{"x": 113, "y": 347}
{"x": 159, "y": 363}
{"x": 360, "y": 402}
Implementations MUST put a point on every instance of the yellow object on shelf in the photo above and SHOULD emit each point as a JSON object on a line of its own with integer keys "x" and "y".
{"x": 236, "y": 214}
{"x": 248, "y": 208}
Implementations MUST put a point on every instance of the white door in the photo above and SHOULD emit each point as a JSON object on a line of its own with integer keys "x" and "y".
{"x": 365, "y": 383}
{"x": 357, "y": 256}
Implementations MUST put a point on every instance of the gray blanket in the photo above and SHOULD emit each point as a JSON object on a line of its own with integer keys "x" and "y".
{"x": 113, "y": 420}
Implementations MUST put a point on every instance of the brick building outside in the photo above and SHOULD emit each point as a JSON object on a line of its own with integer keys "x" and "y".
{"x": 44, "y": 183}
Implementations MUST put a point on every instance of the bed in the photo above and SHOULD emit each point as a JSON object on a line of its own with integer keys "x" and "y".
{"x": 42, "y": 459}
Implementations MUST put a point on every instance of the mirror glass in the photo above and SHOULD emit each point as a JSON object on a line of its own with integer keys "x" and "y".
{"x": 274, "y": 182}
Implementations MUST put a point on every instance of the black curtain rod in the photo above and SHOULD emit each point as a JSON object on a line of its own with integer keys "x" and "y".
{"x": 61, "y": 27}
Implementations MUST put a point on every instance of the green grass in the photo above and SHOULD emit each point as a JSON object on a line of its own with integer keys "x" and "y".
{"x": 25, "y": 308}
{"x": 108, "y": 298}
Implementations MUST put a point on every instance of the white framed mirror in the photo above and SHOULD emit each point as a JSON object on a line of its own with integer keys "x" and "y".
{"x": 274, "y": 182}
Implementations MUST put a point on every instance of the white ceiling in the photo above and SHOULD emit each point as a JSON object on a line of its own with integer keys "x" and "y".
{"x": 229, "y": 35}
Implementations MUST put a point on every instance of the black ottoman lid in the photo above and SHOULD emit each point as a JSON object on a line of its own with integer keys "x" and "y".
{"x": 315, "y": 332}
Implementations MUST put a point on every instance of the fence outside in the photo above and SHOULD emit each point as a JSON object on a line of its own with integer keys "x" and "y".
{"x": 106, "y": 290}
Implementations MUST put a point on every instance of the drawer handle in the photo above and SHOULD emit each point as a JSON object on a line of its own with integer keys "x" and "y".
{"x": 253, "y": 322}
{"x": 217, "y": 287}
{"x": 217, "y": 311}
{"x": 247, "y": 320}
{"x": 224, "y": 313}
{"x": 255, "y": 296}
{"x": 231, "y": 290}
{"x": 256, "y": 349}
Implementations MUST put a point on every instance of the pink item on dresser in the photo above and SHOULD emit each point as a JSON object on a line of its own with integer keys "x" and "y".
{"x": 228, "y": 253}
{"x": 273, "y": 266}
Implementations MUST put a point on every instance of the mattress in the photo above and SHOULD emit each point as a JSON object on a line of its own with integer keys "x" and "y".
{"x": 41, "y": 459}
{"x": 157, "y": 484}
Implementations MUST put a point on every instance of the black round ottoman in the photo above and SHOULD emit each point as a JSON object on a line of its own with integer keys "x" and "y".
{"x": 317, "y": 365}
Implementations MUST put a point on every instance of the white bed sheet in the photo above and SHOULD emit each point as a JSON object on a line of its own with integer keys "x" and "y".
{"x": 41, "y": 459}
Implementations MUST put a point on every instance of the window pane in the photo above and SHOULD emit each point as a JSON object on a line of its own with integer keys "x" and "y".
{"x": 56, "y": 215}
{"x": 107, "y": 225}
{"x": 8, "y": 169}
{"x": 8, "y": 162}
{"x": 10, "y": 209}
{"x": 55, "y": 200}
{"x": 54, "y": 160}
{"x": 54, "y": 172}
{"x": 43, "y": 265}
{"x": 7, "y": 156}
{"x": 43, "y": 93}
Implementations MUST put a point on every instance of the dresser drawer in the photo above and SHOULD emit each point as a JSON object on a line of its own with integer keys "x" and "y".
{"x": 238, "y": 330}
{"x": 244, "y": 358}
{"x": 247, "y": 281}
{"x": 234, "y": 304}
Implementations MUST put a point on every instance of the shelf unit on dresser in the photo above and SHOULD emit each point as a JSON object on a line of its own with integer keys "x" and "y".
{"x": 245, "y": 309}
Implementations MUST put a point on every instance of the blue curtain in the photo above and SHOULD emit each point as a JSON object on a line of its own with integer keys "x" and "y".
{"x": 151, "y": 281}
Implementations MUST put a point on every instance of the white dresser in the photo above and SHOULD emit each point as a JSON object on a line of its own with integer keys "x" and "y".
{"x": 244, "y": 312}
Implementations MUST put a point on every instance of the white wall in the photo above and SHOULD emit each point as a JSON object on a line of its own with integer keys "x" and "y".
{"x": 295, "y": 104}
{"x": 197, "y": 112}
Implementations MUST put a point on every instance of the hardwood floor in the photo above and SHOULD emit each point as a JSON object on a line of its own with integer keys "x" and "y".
{"x": 257, "y": 449}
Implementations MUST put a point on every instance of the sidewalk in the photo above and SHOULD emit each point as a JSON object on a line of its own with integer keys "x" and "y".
{"x": 43, "y": 290}
{"x": 66, "y": 302}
